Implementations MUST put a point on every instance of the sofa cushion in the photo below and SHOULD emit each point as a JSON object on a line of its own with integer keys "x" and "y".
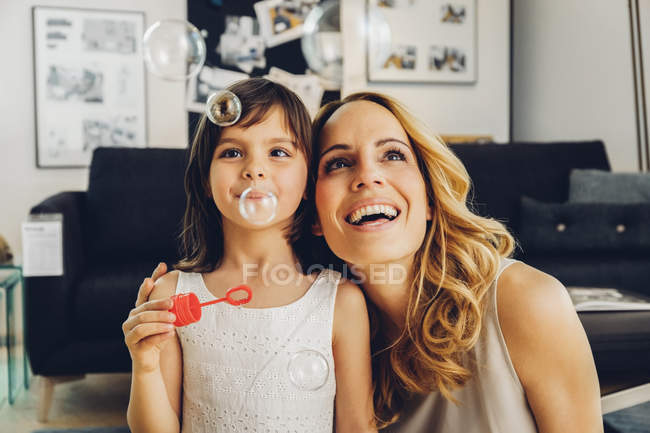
{"x": 597, "y": 186}
{"x": 135, "y": 203}
{"x": 502, "y": 173}
{"x": 584, "y": 227}
{"x": 104, "y": 296}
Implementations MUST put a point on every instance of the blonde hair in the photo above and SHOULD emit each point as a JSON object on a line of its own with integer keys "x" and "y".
{"x": 453, "y": 269}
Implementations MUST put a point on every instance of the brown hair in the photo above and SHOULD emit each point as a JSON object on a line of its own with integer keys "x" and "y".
{"x": 201, "y": 239}
{"x": 453, "y": 270}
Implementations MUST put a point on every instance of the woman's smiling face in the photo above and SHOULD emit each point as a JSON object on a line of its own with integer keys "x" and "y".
{"x": 370, "y": 194}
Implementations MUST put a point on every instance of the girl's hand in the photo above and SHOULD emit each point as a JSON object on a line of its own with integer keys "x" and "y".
{"x": 147, "y": 285}
{"x": 143, "y": 347}
{"x": 146, "y": 331}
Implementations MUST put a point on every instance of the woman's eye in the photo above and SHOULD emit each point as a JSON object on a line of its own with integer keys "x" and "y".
{"x": 335, "y": 164}
{"x": 395, "y": 155}
{"x": 231, "y": 153}
{"x": 279, "y": 153}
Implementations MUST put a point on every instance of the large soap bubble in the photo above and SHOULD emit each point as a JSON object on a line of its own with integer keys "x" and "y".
{"x": 174, "y": 49}
{"x": 322, "y": 45}
{"x": 257, "y": 206}
{"x": 308, "y": 370}
{"x": 321, "y": 41}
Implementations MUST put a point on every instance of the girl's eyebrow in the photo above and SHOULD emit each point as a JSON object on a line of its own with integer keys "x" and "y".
{"x": 270, "y": 141}
{"x": 378, "y": 143}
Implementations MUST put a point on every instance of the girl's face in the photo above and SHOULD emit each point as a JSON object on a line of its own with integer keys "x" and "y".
{"x": 265, "y": 153}
{"x": 370, "y": 195}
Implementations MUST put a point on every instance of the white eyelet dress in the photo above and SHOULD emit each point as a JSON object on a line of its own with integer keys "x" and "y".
{"x": 236, "y": 362}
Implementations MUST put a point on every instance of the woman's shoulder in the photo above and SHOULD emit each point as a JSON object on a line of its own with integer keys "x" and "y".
{"x": 536, "y": 317}
{"x": 165, "y": 286}
{"x": 524, "y": 290}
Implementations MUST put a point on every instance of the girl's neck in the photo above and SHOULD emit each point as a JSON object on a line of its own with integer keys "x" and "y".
{"x": 387, "y": 285}
{"x": 256, "y": 251}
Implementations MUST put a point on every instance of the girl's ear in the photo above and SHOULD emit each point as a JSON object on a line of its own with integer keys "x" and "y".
{"x": 429, "y": 213}
{"x": 316, "y": 229}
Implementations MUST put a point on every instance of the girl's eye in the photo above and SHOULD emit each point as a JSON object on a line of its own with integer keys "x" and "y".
{"x": 335, "y": 164}
{"x": 395, "y": 155}
{"x": 231, "y": 153}
{"x": 279, "y": 153}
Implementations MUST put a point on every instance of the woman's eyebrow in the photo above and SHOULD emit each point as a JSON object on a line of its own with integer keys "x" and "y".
{"x": 334, "y": 147}
{"x": 389, "y": 140}
{"x": 378, "y": 143}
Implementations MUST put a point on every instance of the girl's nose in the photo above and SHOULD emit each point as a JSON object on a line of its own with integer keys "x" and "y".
{"x": 254, "y": 172}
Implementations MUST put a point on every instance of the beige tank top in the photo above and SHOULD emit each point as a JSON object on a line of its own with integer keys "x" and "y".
{"x": 493, "y": 401}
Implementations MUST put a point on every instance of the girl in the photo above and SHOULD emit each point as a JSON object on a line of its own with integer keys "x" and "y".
{"x": 248, "y": 369}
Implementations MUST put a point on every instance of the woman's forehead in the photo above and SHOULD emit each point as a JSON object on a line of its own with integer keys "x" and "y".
{"x": 360, "y": 121}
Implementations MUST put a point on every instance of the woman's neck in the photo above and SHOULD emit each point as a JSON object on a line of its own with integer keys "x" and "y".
{"x": 387, "y": 285}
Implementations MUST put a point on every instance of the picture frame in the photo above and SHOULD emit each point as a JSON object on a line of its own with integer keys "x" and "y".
{"x": 89, "y": 83}
{"x": 430, "y": 41}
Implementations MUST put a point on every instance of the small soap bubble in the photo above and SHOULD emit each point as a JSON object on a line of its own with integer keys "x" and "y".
{"x": 223, "y": 108}
{"x": 308, "y": 370}
{"x": 174, "y": 49}
{"x": 257, "y": 206}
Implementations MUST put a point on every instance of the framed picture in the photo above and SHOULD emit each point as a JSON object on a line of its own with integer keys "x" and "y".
{"x": 89, "y": 83}
{"x": 430, "y": 41}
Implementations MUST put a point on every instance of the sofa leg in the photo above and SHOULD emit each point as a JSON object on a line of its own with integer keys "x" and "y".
{"x": 46, "y": 392}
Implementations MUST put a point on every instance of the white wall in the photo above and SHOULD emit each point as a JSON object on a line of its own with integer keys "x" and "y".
{"x": 481, "y": 108}
{"x": 572, "y": 76}
{"x": 22, "y": 185}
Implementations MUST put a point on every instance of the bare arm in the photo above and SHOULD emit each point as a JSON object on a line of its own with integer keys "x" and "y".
{"x": 155, "y": 400}
{"x": 550, "y": 351}
{"x": 351, "y": 345}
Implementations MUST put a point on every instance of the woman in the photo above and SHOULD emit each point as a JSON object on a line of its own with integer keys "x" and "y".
{"x": 451, "y": 352}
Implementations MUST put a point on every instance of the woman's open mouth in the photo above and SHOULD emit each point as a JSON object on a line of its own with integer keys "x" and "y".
{"x": 372, "y": 215}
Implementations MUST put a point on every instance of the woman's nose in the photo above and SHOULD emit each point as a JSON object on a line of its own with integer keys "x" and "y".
{"x": 367, "y": 175}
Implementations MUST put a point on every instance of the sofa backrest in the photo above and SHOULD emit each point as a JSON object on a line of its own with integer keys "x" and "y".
{"x": 135, "y": 203}
{"x": 502, "y": 173}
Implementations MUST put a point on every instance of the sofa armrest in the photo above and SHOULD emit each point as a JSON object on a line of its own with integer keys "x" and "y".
{"x": 48, "y": 299}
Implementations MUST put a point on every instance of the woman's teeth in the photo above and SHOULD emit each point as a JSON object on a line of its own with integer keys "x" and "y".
{"x": 372, "y": 212}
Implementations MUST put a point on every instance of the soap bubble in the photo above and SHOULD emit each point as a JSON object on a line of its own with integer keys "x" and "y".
{"x": 308, "y": 370}
{"x": 257, "y": 206}
{"x": 174, "y": 49}
{"x": 321, "y": 41}
{"x": 223, "y": 108}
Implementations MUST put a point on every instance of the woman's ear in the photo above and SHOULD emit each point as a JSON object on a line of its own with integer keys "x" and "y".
{"x": 429, "y": 213}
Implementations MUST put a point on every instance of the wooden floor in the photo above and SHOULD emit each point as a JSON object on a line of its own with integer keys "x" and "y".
{"x": 96, "y": 400}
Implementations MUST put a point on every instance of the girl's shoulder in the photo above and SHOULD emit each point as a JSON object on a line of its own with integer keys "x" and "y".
{"x": 350, "y": 308}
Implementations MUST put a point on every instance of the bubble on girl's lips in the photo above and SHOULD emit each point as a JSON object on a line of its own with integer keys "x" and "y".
{"x": 257, "y": 206}
{"x": 223, "y": 108}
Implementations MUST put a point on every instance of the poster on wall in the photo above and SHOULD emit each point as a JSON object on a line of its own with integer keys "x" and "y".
{"x": 89, "y": 81}
{"x": 430, "y": 41}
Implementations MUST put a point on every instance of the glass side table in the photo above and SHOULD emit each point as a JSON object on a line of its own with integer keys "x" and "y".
{"x": 11, "y": 286}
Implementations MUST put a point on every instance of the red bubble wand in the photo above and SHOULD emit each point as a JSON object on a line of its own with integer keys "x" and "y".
{"x": 187, "y": 307}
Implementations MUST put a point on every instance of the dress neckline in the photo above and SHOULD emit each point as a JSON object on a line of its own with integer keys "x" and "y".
{"x": 290, "y": 304}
